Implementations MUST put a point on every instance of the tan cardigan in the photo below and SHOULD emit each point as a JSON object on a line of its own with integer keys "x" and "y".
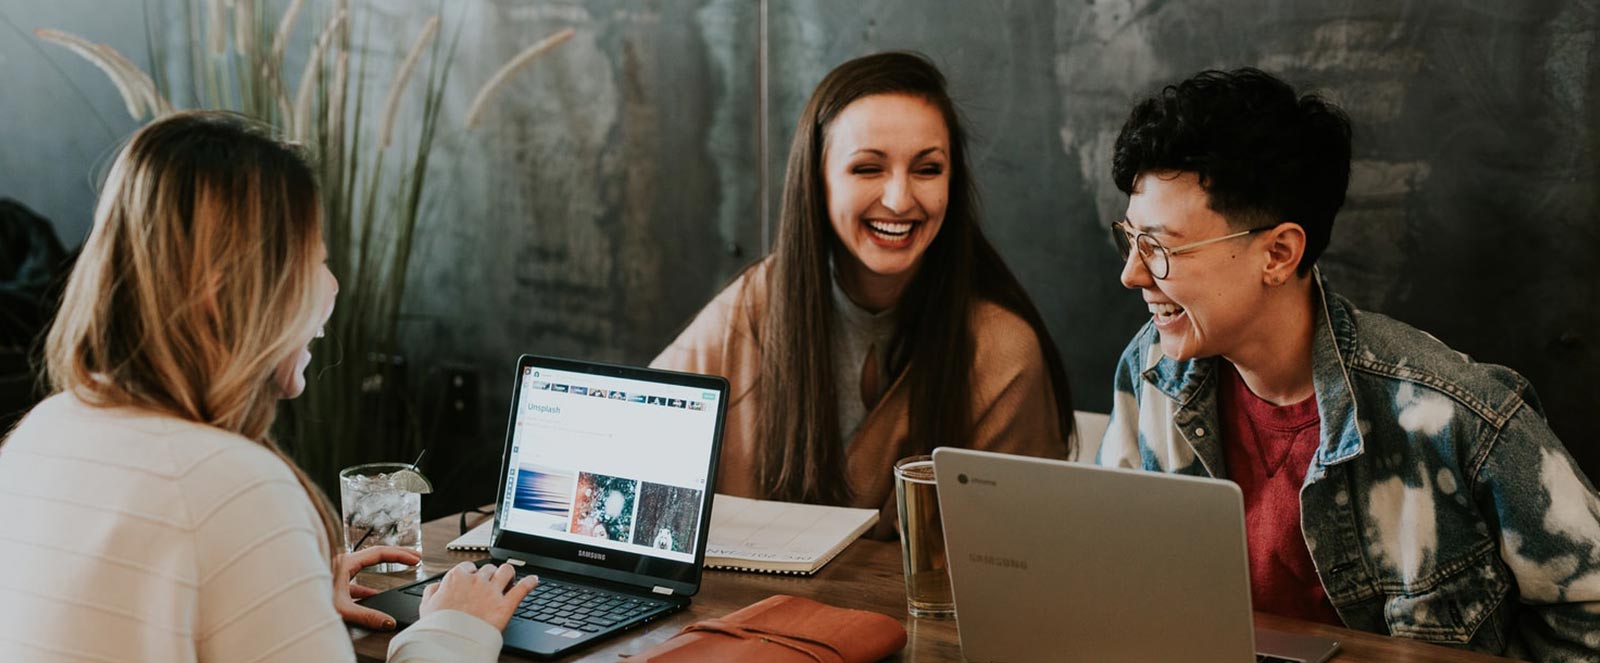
{"x": 1013, "y": 406}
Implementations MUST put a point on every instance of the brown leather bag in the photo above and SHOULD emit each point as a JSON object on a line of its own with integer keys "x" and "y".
{"x": 783, "y": 629}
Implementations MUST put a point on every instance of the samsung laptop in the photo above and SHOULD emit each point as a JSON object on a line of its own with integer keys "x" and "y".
{"x": 1058, "y": 561}
{"x": 605, "y": 497}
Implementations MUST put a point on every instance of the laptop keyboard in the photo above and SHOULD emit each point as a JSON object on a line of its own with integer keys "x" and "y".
{"x": 576, "y": 607}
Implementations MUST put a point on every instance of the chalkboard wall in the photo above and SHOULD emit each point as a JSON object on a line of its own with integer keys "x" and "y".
{"x": 624, "y": 179}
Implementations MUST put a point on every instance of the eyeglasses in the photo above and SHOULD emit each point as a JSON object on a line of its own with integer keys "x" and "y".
{"x": 1155, "y": 256}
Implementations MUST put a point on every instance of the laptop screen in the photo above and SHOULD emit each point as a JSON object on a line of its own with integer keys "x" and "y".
{"x": 610, "y": 466}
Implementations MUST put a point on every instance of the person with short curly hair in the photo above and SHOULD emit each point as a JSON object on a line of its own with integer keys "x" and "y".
{"x": 1390, "y": 483}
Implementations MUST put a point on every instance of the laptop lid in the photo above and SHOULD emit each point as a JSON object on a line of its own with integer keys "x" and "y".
{"x": 1050, "y": 557}
{"x": 609, "y": 471}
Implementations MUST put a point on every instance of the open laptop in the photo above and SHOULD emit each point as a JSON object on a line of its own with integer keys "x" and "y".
{"x": 1051, "y": 560}
{"x": 607, "y": 499}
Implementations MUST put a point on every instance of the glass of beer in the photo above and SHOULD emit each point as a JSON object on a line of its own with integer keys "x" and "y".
{"x": 922, "y": 540}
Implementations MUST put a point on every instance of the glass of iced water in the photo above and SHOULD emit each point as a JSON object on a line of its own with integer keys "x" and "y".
{"x": 382, "y": 507}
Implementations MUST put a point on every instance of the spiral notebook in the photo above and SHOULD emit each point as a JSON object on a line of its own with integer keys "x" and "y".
{"x": 476, "y": 539}
{"x": 780, "y": 537}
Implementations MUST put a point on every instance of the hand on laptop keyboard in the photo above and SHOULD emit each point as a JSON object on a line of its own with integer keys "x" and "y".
{"x": 585, "y": 609}
{"x": 579, "y": 608}
{"x": 486, "y": 593}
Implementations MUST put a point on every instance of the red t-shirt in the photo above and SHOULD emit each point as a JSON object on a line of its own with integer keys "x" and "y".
{"x": 1268, "y": 449}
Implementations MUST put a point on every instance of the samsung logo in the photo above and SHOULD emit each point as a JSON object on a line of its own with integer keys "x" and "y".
{"x": 996, "y": 560}
{"x": 592, "y": 555}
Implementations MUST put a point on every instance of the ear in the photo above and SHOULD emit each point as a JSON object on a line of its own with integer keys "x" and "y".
{"x": 1285, "y": 244}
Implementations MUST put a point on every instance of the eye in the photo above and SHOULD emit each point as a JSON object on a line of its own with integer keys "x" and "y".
{"x": 932, "y": 169}
{"x": 866, "y": 169}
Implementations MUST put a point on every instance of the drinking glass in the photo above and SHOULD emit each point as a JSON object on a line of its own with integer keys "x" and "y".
{"x": 922, "y": 540}
{"x": 377, "y": 512}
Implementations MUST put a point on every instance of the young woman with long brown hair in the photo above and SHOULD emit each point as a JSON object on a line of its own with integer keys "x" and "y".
{"x": 145, "y": 512}
{"x": 883, "y": 324}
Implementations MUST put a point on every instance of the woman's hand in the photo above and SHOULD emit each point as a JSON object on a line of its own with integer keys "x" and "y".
{"x": 346, "y": 591}
{"x": 480, "y": 592}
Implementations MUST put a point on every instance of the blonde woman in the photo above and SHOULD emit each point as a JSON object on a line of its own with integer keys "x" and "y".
{"x": 145, "y": 513}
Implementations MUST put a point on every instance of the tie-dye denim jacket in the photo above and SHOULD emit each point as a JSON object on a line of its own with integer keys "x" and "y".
{"x": 1439, "y": 506}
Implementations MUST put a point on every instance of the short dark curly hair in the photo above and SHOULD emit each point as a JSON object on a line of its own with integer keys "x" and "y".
{"x": 1264, "y": 154}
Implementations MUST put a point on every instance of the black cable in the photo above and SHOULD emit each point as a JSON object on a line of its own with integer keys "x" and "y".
{"x": 482, "y": 511}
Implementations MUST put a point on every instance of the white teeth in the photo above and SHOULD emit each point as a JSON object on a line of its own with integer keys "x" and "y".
{"x": 892, "y": 229}
{"x": 1165, "y": 312}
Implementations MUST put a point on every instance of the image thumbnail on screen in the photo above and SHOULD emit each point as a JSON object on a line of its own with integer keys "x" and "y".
{"x": 603, "y": 507}
{"x": 668, "y": 517}
{"x": 544, "y": 491}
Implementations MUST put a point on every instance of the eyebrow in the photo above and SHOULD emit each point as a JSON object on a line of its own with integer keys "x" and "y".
{"x": 1153, "y": 229}
{"x": 880, "y": 153}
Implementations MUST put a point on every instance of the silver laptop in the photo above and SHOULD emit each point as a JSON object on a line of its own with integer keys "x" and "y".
{"x": 1053, "y": 560}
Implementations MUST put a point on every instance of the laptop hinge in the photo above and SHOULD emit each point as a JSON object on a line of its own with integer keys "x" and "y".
{"x": 662, "y": 590}
{"x": 516, "y": 562}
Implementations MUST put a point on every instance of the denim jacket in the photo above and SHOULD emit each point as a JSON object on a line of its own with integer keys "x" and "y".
{"x": 1439, "y": 505}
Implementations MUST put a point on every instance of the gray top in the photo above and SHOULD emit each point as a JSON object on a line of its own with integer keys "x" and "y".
{"x": 855, "y": 332}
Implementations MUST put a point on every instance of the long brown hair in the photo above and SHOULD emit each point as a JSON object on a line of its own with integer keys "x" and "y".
{"x": 193, "y": 286}
{"x": 802, "y": 457}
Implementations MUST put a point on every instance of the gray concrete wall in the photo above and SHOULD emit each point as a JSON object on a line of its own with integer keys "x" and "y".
{"x": 60, "y": 118}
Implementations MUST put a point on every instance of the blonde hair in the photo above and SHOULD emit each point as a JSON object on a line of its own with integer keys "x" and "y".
{"x": 197, "y": 281}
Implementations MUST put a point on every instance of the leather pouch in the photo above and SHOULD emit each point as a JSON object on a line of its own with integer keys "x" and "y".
{"x": 783, "y": 629}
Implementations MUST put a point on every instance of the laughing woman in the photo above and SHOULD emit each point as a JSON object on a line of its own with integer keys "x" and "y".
{"x": 883, "y": 324}
{"x": 145, "y": 512}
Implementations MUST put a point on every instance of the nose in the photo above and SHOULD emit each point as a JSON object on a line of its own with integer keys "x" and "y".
{"x": 897, "y": 194}
{"x": 1135, "y": 274}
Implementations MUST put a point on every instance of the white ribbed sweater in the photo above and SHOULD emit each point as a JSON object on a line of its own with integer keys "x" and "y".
{"x": 131, "y": 536}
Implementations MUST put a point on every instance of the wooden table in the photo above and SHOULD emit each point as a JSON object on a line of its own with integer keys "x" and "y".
{"x": 866, "y": 576}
